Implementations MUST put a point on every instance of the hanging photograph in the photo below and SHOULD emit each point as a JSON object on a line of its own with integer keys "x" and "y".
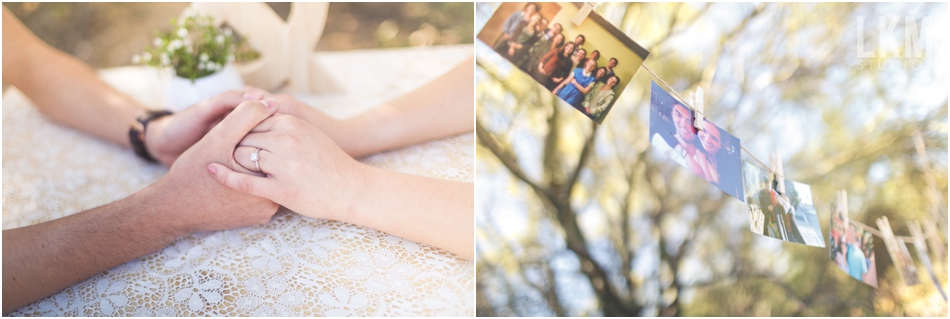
{"x": 786, "y": 213}
{"x": 587, "y": 65}
{"x": 851, "y": 248}
{"x": 711, "y": 153}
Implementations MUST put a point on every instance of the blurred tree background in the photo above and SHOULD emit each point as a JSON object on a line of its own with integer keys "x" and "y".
{"x": 576, "y": 219}
{"x": 108, "y": 34}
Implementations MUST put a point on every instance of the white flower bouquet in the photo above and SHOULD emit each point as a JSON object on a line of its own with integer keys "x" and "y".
{"x": 195, "y": 48}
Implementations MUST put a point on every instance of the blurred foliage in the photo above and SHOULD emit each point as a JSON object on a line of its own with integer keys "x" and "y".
{"x": 108, "y": 34}
{"x": 385, "y": 25}
{"x": 576, "y": 219}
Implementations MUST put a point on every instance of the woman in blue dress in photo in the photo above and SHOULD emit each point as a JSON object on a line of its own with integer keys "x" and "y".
{"x": 577, "y": 85}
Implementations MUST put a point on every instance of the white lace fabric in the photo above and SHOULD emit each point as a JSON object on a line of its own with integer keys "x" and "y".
{"x": 293, "y": 265}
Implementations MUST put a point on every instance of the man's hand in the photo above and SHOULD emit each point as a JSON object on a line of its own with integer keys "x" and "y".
{"x": 203, "y": 204}
{"x": 168, "y": 137}
{"x": 41, "y": 259}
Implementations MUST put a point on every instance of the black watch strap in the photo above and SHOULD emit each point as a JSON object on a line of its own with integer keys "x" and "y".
{"x": 137, "y": 133}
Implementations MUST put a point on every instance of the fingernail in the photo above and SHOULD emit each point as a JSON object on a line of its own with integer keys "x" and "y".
{"x": 253, "y": 96}
{"x": 270, "y": 103}
{"x": 213, "y": 170}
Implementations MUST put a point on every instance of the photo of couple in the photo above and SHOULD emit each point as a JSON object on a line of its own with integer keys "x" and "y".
{"x": 711, "y": 153}
{"x": 852, "y": 248}
{"x": 588, "y": 66}
{"x": 785, "y": 213}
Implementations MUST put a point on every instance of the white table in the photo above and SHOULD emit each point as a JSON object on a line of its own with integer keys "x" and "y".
{"x": 293, "y": 265}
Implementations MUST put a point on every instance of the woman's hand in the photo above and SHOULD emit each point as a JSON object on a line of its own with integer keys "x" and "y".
{"x": 347, "y": 137}
{"x": 302, "y": 168}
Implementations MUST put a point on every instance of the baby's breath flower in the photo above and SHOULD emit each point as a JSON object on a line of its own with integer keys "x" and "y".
{"x": 175, "y": 45}
{"x": 193, "y": 48}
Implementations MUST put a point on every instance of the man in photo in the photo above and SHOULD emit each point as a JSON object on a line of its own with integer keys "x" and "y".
{"x": 579, "y": 42}
{"x": 594, "y": 55}
{"x": 512, "y": 24}
{"x": 857, "y": 262}
{"x": 683, "y": 133}
{"x": 524, "y": 36}
{"x": 611, "y": 64}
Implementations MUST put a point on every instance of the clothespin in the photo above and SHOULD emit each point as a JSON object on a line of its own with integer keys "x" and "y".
{"x": 698, "y": 108}
{"x": 583, "y": 13}
{"x": 895, "y": 251}
{"x": 841, "y": 201}
{"x": 933, "y": 237}
{"x": 779, "y": 172}
{"x": 918, "y": 235}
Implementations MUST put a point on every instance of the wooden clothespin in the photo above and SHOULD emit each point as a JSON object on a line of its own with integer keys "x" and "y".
{"x": 698, "y": 108}
{"x": 894, "y": 250}
{"x": 918, "y": 235}
{"x": 936, "y": 243}
{"x": 841, "y": 201}
{"x": 584, "y": 11}
{"x": 779, "y": 172}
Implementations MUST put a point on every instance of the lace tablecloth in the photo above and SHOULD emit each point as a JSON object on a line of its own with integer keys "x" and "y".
{"x": 293, "y": 265}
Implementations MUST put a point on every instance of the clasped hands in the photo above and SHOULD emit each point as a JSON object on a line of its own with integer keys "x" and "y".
{"x": 295, "y": 159}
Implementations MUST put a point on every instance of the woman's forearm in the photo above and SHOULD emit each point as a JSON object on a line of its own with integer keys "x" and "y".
{"x": 426, "y": 210}
{"x": 440, "y": 108}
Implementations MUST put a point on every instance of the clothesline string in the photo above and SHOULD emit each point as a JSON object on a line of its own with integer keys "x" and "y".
{"x": 867, "y": 228}
{"x": 682, "y": 100}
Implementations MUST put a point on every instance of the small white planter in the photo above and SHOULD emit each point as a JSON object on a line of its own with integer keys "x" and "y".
{"x": 182, "y": 93}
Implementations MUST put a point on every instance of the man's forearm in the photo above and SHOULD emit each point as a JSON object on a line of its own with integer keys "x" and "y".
{"x": 71, "y": 93}
{"x": 426, "y": 210}
{"x": 42, "y": 259}
{"x": 64, "y": 88}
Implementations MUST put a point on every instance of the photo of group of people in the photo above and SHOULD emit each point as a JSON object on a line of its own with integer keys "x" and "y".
{"x": 711, "y": 153}
{"x": 852, "y": 248}
{"x": 587, "y": 66}
{"x": 786, "y": 213}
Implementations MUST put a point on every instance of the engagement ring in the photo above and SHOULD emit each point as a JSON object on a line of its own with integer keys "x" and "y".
{"x": 254, "y": 158}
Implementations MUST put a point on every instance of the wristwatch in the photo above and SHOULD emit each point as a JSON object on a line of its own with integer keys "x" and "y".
{"x": 137, "y": 133}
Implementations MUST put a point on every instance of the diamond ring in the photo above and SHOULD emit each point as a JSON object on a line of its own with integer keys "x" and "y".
{"x": 255, "y": 157}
